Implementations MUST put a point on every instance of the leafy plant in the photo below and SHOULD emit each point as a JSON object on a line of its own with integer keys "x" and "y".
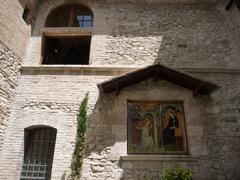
{"x": 77, "y": 157}
{"x": 178, "y": 173}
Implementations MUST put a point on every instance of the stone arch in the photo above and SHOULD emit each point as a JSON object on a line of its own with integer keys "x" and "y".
{"x": 46, "y": 7}
{"x": 32, "y": 123}
{"x": 32, "y": 127}
{"x": 85, "y": 8}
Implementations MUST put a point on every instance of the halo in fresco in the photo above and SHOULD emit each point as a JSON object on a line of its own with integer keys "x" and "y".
{"x": 156, "y": 127}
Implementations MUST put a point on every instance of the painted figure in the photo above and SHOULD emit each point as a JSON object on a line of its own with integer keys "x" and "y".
{"x": 169, "y": 130}
{"x": 146, "y": 138}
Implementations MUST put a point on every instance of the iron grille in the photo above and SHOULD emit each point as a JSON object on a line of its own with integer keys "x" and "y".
{"x": 38, "y": 157}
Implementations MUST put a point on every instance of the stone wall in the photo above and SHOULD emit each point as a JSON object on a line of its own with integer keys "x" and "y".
{"x": 212, "y": 129}
{"x": 13, "y": 37}
{"x": 180, "y": 34}
{"x": 49, "y": 100}
{"x": 107, "y": 135}
{"x": 14, "y": 32}
{"x": 235, "y": 14}
{"x": 53, "y": 100}
{"x": 9, "y": 68}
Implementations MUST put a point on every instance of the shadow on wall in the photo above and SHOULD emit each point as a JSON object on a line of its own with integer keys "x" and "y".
{"x": 176, "y": 35}
{"x": 101, "y": 158}
{"x": 181, "y": 35}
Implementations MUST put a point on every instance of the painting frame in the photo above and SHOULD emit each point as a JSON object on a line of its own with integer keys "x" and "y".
{"x": 147, "y": 141}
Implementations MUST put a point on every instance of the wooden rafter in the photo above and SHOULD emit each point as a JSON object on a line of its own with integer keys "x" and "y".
{"x": 196, "y": 85}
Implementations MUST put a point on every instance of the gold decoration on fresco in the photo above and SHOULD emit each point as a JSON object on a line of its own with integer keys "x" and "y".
{"x": 156, "y": 127}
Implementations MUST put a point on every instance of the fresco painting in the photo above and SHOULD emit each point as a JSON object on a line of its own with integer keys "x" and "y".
{"x": 156, "y": 127}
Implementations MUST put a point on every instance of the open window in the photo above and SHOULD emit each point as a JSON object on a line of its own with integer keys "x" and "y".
{"x": 67, "y": 50}
{"x": 68, "y": 42}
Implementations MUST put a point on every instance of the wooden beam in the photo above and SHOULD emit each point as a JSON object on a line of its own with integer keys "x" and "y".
{"x": 194, "y": 84}
{"x": 237, "y": 4}
{"x": 117, "y": 90}
{"x": 229, "y": 5}
{"x": 67, "y": 31}
{"x": 71, "y": 17}
{"x": 197, "y": 90}
{"x": 156, "y": 74}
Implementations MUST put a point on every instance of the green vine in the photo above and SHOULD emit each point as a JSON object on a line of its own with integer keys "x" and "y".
{"x": 77, "y": 157}
{"x": 178, "y": 173}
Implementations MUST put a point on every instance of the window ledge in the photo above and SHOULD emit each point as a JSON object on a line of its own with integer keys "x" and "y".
{"x": 101, "y": 70}
{"x": 67, "y": 31}
{"x": 75, "y": 70}
{"x": 166, "y": 158}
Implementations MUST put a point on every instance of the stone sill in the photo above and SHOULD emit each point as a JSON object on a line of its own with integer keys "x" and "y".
{"x": 104, "y": 70}
{"x": 76, "y": 70}
{"x": 66, "y": 31}
{"x": 165, "y": 158}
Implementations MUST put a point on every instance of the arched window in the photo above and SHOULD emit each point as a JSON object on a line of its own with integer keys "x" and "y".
{"x": 70, "y": 16}
{"x": 38, "y": 153}
{"x": 64, "y": 44}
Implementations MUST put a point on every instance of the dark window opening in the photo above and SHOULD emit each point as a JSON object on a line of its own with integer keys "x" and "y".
{"x": 67, "y": 50}
{"x": 70, "y": 16}
{"x": 38, "y": 153}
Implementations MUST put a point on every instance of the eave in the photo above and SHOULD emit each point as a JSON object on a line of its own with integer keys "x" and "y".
{"x": 196, "y": 85}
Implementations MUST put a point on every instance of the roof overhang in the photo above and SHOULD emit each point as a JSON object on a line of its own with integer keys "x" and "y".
{"x": 230, "y": 4}
{"x": 156, "y": 72}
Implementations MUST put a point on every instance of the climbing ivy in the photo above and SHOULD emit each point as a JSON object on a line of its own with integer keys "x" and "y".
{"x": 77, "y": 157}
